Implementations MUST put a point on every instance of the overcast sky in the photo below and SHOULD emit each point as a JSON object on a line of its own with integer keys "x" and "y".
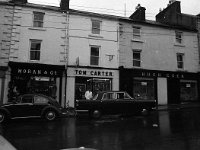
{"x": 125, "y": 7}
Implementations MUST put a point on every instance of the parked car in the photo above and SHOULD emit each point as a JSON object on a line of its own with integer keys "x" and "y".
{"x": 114, "y": 102}
{"x": 31, "y": 105}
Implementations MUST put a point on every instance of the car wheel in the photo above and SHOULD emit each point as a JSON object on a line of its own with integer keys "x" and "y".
{"x": 2, "y": 117}
{"x": 96, "y": 114}
{"x": 144, "y": 112}
{"x": 50, "y": 115}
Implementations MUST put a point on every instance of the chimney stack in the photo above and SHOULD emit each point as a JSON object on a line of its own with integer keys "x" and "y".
{"x": 139, "y": 14}
{"x": 64, "y": 4}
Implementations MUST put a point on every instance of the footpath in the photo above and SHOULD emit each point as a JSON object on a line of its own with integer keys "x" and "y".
{"x": 178, "y": 106}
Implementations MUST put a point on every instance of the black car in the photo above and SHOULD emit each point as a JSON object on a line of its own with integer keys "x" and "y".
{"x": 114, "y": 102}
{"x": 31, "y": 105}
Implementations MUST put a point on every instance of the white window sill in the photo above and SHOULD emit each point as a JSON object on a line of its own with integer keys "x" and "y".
{"x": 179, "y": 44}
{"x": 137, "y": 40}
{"x": 35, "y": 28}
{"x": 181, "y": 70}
{"x": 95, "y": 36}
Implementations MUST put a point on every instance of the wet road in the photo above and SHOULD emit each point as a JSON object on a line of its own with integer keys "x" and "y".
{"x": 163, "y": 130}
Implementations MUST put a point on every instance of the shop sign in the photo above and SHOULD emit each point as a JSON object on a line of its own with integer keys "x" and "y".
{"x": 38, "y": 72}
{"x": 159, "y": 74}
{"x": 97, "y": 73}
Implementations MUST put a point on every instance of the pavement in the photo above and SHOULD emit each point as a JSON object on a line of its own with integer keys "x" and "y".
{"x": 178, "y": 106}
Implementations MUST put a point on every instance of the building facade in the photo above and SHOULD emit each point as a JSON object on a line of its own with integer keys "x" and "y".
{"x": 36, "y": 53}
{"x": 55, "y": 51}
{"x": 93, "y": 54}
{"x": 159, "y": 60}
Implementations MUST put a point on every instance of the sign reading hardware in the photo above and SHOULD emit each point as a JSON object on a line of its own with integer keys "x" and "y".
{"x": 94, "y": 73}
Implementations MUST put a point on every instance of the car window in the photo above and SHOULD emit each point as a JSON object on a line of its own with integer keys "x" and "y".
{"x": 108, "y": 96}
{"x": 40, "y": 100}
{"x": 27, "y": 99}
{"x": 120, "y": 95}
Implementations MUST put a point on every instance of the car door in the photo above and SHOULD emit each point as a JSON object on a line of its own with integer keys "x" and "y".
{"x": 40, "y": 102}
{"x": 124, "y": 102}
{"x": 109, "y": 103}
{"x": 23, "y": 107}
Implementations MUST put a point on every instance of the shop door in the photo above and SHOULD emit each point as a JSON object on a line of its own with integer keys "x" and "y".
{"x": 173, "y": 88}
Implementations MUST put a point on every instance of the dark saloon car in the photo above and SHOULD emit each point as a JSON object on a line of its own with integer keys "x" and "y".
{"x": 114, "y": 102}
{"x": 31, "y": 105}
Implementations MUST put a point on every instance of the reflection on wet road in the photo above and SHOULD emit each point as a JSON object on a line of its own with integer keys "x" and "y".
{"x": 175, "y": 130}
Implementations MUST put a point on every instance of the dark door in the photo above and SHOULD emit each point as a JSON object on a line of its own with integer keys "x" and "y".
{"x": 173, "y": 88}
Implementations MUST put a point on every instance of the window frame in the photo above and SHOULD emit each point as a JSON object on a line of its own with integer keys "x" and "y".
{"x": 38, "y": 23}
{"x": 135, "y": 60}
{"x": 94, "y": 56}
{"x": 34, "y": 41}
{"x": 180, "y": 62}
{"x": 179, "y": 37}
{"x": 136, "y": 35}
{"x": 96, "y": 30}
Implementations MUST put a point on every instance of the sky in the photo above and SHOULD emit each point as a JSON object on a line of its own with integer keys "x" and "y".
{"x": 125, "y": 7}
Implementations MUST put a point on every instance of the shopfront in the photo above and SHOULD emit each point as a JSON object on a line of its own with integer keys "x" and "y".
{"x": 95, "y": 79}
{"x": 164, "y": 86}
{"x": 35, "y": 78}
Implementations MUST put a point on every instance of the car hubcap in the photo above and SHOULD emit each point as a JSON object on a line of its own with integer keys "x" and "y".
{"x": 51, "y": 115}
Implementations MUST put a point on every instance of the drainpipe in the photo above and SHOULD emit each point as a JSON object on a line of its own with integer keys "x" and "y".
{"x": 66, "y": 102}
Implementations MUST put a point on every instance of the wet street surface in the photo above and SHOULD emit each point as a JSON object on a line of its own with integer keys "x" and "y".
{"x": 161, "y": 130}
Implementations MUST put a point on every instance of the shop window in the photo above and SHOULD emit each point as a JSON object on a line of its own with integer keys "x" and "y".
{"x": 20, "y": 85}
{"x": 96, "y": 26}
{"x": 136, "y": 58}
{"x": 35, "y": 49}
{"x": 94, "y": 58}
{"x": 95, "y": 84}
{"x": 188, "y": 91}
{"x": 180, "y": 60}
{"x": 143, "y": 89}
{"x": 38, "y": 18}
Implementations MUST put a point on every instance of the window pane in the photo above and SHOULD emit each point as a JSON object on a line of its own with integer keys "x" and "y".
{"x": 94, "y": 60}
{"x": 96, "y": 27}
{"x": 35, "y": 55}
{"x": 35, "y": 46}
{"x": 136, "y": 59}
{"x": 38, "y": 19}
{"x": 143, "y": 89}
{"x": 94, "y": 51}
{"x": 136, "y": 55}
{"x": 136, "y": 63}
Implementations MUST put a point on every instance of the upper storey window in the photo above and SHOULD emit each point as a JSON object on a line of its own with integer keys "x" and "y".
{"x": 38, "y": 19}
{"x": 96, "y": 26}
{"x": 136, "y": 32}
{"x": 35, "y": 50}
{"x": 179, "y": 37}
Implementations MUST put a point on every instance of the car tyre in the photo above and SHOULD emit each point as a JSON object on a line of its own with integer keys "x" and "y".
{"x": 96, "y": 114}
{"x": 2, "y": 117}
{"x": 50, "y": 115}
{"x": 144, "y": 112}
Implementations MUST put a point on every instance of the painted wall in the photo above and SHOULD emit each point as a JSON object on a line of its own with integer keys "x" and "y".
{"x": 158, "y": 48}
{"x": 81, "y": 39}
{"x": 51, "y": 35}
